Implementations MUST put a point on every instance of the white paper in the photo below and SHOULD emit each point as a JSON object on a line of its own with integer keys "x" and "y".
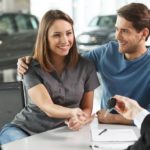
{"x": 114, "y": 135}
{"x": 111, "y": 146}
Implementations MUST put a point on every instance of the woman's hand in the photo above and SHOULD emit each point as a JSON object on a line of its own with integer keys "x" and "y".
{"x": 77, "y": 123}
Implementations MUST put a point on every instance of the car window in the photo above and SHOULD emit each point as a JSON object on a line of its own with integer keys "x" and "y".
{"x": 106, "y": 21}
{"x": 103, "y": 21}
{"x": 6, "y": 25}
{"x": 33, "y": 22}
{"x": 25, "y": 22}
{"x": 94, "y": 22}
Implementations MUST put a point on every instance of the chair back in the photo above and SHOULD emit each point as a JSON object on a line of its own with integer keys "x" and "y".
{"x": 12, "y": 100}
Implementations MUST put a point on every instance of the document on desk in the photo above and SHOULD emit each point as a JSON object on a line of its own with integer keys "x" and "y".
{"x": 113, "y": 135}
{"x": 110, "y": 146}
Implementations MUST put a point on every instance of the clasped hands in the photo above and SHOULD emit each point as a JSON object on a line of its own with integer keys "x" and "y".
{"x": 79, "y": 119}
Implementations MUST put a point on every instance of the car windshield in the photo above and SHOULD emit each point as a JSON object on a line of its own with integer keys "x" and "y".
{"x": 17, "y": 23}
{"x": 103, "y": 21}
{"x": 26, "y": 23}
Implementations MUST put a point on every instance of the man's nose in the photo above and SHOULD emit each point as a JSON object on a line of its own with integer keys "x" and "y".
{"x": 118, "y": 35}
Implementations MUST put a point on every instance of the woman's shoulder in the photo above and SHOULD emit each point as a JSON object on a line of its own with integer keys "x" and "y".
{"x": 85, "y": 62}
{"x": 33, "y": 63}
{"x": 34, "y": 72}
{"x": 34, "y": 67}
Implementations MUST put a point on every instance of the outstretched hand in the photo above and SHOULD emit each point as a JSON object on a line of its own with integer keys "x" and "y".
{"x": 127, "y": 107}
{"x": 77, "y": 123}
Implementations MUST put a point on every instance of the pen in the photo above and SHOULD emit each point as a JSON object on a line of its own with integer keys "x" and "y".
{"x": 102, "y": 131}
{"x": 93, "y": 147}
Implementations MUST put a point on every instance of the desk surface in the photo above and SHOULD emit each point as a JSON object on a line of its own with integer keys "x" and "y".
{"x": 62, "y": 138}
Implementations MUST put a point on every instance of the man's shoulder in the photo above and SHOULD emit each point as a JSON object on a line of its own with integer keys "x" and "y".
{"x": 148, "y": 48}
{"x": 110, "y": 44}
{"x": 113, "y": 43}
{"x": 107, "y": 47}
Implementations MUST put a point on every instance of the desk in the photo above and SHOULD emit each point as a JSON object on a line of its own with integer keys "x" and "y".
{"x": 62, "y": 138}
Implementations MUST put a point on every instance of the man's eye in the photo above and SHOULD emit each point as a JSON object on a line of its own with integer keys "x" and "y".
{"x": 125, "y": 30}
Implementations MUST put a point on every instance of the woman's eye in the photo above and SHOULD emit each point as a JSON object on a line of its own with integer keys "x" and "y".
{"x": 56, "y": 35}
{"x": 69, "y": 33}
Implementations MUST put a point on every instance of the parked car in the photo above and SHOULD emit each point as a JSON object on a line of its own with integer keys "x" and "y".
{"x": 100, "y": 30}
{"x": 17, "y": 37}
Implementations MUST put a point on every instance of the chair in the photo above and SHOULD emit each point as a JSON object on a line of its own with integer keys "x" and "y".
{"x": 12, "y": 100}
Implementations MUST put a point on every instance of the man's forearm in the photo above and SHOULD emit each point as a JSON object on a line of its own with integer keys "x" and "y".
{"x": 110, "y": 118}
{"x": 121, "y": 120}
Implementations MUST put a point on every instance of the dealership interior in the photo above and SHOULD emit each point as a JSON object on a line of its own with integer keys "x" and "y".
{"x": 82, "y": 12}
{"x": 19, "y": 22}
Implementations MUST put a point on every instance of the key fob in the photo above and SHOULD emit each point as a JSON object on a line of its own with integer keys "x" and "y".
{"x": 111, "y": 103}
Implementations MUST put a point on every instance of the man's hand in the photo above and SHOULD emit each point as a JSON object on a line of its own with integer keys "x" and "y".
{"x": 109, "y": 118}
{"x": 22, "y": 64}
{"x": 127, "y": 107}
{"x": 105, "y": 117}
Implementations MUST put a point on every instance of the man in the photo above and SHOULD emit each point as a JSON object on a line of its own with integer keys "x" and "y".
{"x": 124, "y": 65}
{"x": 130, "y": 109}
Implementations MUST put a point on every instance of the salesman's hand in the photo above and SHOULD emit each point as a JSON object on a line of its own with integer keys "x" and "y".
{"x": 127, "y": 107}
{"x": 22, "y": 64}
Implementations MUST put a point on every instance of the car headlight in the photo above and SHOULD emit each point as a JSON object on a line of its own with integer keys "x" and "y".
{"x": 1, "y": 42}
{"x": 86, "y": 39}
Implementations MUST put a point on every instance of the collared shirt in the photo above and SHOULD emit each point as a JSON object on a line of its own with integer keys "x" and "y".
{"x": 65, "y": 90}
{"x": 140, "y": 117}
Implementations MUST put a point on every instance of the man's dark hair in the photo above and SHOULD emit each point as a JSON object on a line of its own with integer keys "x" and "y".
{"x": 138, "y": 14}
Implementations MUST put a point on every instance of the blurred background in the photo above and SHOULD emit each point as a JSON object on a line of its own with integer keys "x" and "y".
{"x": 19, "y": 19}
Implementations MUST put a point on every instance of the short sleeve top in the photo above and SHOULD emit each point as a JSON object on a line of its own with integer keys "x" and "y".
{"x": 65, "y": 90}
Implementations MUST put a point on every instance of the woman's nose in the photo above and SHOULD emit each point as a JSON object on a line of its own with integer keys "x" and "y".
{"x": 64, "y": 39}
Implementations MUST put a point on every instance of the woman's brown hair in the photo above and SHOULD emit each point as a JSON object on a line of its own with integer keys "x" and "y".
{"x": 42, "y": 49}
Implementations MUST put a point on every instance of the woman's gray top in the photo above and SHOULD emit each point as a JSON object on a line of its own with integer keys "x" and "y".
{"x": 65, "y": 90}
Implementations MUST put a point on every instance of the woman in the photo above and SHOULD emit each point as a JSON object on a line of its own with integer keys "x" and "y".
{"x": 59, "y": 82}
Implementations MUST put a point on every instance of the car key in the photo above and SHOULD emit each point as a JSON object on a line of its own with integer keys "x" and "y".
{"x": 110, "y": 105}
